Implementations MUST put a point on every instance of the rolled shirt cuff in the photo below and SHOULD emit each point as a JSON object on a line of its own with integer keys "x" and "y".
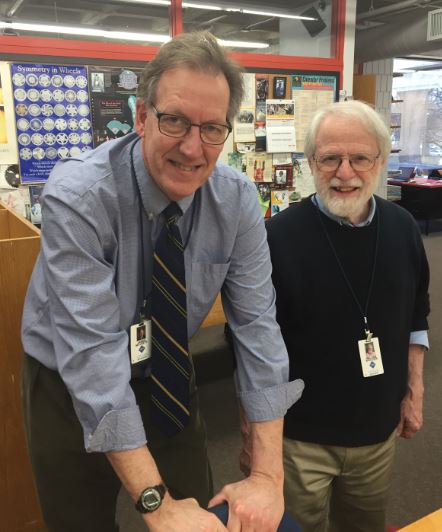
{"x": 119, "y": 430}
{"x": 271, "y": 403}
{"x": 420, "y": 338}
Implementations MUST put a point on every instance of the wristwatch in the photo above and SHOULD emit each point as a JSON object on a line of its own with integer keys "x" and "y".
{"x": 151, "y": 498}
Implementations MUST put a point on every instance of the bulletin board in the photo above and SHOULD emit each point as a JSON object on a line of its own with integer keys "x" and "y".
{"x": 269, "y": 132}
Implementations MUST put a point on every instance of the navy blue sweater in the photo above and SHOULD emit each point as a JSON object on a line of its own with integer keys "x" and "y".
{"x": 321, "y": 323}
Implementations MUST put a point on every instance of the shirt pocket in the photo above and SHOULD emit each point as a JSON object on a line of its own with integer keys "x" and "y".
{"x": 205, "y": 283}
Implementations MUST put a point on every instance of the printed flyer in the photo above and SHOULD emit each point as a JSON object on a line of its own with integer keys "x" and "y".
{"x": 113, "y": 97}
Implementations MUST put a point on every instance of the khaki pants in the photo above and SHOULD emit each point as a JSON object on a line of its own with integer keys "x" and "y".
{"x": 338, "y": 489}
{"x": 78, "y": 490}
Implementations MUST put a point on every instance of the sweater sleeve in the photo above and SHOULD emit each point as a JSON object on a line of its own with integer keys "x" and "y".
{"x": 422, "y": 301}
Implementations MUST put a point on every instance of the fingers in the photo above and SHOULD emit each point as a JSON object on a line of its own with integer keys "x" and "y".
{"x": 219, "y": 498}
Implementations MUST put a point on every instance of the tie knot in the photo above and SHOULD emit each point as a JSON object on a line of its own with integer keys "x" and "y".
{"x": 172, "y": 212}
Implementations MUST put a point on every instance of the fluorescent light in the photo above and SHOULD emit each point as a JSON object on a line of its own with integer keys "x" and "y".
{"x": 107, "y": 34}
{"x": 243, "y": 44}
{"x": 202, "y": 6}
{"x": 211, "y": 7}
{"x": 150, "y": 2}
{"x": 270, "y": 14}
{"x": 88, "y": 32}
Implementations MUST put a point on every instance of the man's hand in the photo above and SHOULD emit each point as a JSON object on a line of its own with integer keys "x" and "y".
{"x": 182, "y": 516}
{"x": 411, "y": 414}
{"x": 256, "y": 504}
{"x": 137, "y": 470}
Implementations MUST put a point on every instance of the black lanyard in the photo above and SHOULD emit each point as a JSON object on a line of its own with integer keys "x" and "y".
{"x": 363, "y": 311}
{"x": 141, "y": 209}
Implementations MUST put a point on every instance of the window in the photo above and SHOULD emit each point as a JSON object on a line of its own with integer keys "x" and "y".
{"x": 416, "y": 114}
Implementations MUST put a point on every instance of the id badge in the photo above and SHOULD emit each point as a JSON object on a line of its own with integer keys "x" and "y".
{"x": 140, "y": 341}
{"x": 371, "y": 359}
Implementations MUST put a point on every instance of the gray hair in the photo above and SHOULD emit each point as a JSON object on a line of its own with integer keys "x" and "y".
{"x": 197, "y": 51}
{"x": 356, "y": 110}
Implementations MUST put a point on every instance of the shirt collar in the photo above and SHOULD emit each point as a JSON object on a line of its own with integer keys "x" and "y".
{"x": 154, "y": 200}
{"x": 343, "y": 221}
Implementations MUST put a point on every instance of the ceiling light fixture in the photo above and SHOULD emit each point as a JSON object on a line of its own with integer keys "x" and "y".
{"x": 108, "y": 34}
{"x": 202, "y": 6}
{"x": 149, "y": 2}
{"x": 218, "y": 8}
{"x": 270, "y": 14}
{"x": 243, "y": 44}
{"x": 88, "y": 32}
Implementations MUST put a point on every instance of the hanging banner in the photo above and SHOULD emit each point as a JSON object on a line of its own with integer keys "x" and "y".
{"x": 53, "y": 116}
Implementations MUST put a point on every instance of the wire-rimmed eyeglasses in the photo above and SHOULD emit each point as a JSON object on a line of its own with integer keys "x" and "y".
{"x": 178, "y": 126}
{"x": 360, "y": 162}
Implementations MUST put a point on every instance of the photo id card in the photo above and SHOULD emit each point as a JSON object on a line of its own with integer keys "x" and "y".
{"x": 371, "y": 359}
{"x": 140, "y": 341}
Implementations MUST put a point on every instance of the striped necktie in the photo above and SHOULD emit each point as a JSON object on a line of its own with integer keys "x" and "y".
{"x": 171, "y": 369}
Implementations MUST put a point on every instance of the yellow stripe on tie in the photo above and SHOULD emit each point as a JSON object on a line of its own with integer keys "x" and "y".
{"x": 175, "y": 343}
{"x": 161, "y": 349}
{"x": 169, "y": 297}
{"x": 169, "y": 273}
{"x": 166, "y": 391}
{"x": 168, "y": 413}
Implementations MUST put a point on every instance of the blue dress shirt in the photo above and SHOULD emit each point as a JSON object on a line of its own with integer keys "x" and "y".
{"x": 87, "y": 287}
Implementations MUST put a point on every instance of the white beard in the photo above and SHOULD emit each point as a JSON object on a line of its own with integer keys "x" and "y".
{"x": 349, "y": 208}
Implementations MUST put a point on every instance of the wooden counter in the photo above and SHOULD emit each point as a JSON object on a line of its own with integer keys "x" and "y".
{"x": 19, "y": 247}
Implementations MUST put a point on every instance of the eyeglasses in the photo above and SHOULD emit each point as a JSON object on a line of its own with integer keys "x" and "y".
{"x": 359, "y": 162}
{"x": 178, "y": 126}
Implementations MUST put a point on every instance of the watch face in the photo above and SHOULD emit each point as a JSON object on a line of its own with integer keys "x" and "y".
{"x": 150, "y": 499}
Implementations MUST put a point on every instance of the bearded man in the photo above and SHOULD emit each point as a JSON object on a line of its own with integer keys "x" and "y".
{"x": 350, "y": 271}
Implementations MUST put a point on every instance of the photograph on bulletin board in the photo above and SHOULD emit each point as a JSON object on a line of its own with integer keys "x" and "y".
{"x": 53, "y": 116}
{"x": 113, "y": 98}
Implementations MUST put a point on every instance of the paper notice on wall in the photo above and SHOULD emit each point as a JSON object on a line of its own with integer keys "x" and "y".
{"x": 280, "y": 126}
{"x": 304, "y": 180}
{"x": 310, "y": 92}
{"x": 244, "y": 125}
{"x": 249, "y": 90}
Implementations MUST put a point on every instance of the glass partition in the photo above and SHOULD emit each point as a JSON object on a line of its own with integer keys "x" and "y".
{"x": 416, "y": 116}
{"x": 122, "y": 21}
{"x": 301, "y": 28}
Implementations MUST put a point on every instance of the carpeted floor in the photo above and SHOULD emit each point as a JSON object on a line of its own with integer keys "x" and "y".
{"x": 417, "y": 485}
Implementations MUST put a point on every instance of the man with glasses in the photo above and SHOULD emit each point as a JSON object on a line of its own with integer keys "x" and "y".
{"x": 351, "y": 278}
{"x": 93, "y": 392}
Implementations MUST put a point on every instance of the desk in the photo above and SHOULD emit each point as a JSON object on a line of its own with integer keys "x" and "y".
{"x": 421, "y": 197}
{"x": 430, "y": 523}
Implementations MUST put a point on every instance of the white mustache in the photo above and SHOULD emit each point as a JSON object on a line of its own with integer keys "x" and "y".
{"x": 336, "y": 182}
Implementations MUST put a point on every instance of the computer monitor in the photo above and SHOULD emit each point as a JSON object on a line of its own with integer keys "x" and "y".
{"x": 407, "y": 172}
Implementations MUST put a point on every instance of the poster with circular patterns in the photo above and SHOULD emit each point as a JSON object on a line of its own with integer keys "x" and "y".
{"x": 53, "y": 116}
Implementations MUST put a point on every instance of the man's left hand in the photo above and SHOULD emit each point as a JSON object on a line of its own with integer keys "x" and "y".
{"x": 256, "y": 504}
{"x": 411, "y": 414}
